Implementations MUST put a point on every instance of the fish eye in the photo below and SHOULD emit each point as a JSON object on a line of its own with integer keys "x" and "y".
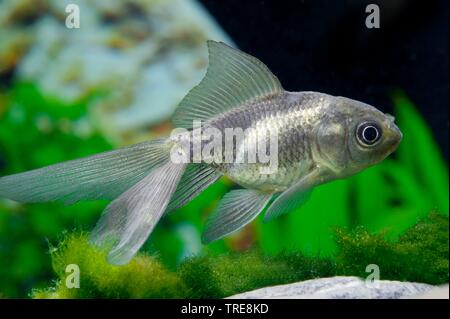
{"x": 368, "y": 133}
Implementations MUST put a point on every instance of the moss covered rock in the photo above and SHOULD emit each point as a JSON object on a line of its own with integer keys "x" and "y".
{"x": 143, "y": 277}
{"x": 420, "y": 255}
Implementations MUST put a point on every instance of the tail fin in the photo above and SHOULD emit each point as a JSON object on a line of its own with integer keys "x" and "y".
{"x": 128, "y": 221}
{"x": 141, "y": 174}
{"x": 101, "y": 176}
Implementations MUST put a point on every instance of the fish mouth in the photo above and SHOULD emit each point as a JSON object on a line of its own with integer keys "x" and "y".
{"x": 398, "y": 134}
{"x": 395, "y": 136}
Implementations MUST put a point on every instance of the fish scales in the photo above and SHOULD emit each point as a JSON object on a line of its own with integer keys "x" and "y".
{"x": 293, "y": 116}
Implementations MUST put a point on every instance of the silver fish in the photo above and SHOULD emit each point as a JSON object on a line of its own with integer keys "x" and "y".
{"x": 320, "y": 138}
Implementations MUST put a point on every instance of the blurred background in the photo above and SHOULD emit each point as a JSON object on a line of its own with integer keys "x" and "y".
{"x": 116, "y": 80}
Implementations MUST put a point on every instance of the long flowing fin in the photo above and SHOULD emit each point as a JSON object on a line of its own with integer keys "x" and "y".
{"x": 128, "y": 221}
{"x": 232, "y": 78}
{"x": 293, "y": 197}
{"x": 195, "y": 179}
{"x": 236, "y": 209}
{"x": 101, "y": 176}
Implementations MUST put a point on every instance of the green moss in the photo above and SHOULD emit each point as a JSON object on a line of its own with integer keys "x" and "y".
{"x": 420, "y": 255}
{"x": 143, "y": 277}
{"x": 232, "y": 273}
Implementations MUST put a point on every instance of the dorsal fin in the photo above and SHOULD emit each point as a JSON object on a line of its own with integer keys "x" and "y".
{"x": 232, "y": 78}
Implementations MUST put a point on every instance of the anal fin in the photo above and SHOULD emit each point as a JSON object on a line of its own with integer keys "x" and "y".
{"x": 195, "y": 180}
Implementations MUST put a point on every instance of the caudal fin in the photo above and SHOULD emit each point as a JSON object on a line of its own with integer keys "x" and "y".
{"x": 101, "y": 176}
{"x": 128, "y": 221}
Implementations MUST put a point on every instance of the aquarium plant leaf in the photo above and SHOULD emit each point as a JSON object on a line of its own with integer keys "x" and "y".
{"x": 420, "y": 153}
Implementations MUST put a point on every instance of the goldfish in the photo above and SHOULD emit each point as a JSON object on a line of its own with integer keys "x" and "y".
{"x": 312, "y": 138}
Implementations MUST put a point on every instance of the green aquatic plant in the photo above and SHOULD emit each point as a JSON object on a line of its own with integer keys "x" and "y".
{"x": 420, "y": 255}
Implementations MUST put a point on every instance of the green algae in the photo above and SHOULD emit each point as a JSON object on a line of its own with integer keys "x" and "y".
{"x": 420, "y": 255}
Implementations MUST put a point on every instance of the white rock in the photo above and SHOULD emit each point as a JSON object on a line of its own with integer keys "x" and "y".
{"x": 435, "y": 293}
{"x": 338, "y": 288}
{"x": 143, "y": 62}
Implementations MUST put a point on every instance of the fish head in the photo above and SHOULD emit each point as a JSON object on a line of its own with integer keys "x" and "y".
{"x": 371, "y": 134}
{"x": 354, "y": 135}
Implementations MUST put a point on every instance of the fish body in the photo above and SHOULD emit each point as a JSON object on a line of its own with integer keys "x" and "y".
{"x": 300, "y": 119}
{"x": 294, "y": 115}
{"x": 282, "y": 145}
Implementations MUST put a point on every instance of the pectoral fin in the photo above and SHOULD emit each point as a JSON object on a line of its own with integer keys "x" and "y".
{"x": 236, "y": 209}
{"x": 293, "y": 197}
